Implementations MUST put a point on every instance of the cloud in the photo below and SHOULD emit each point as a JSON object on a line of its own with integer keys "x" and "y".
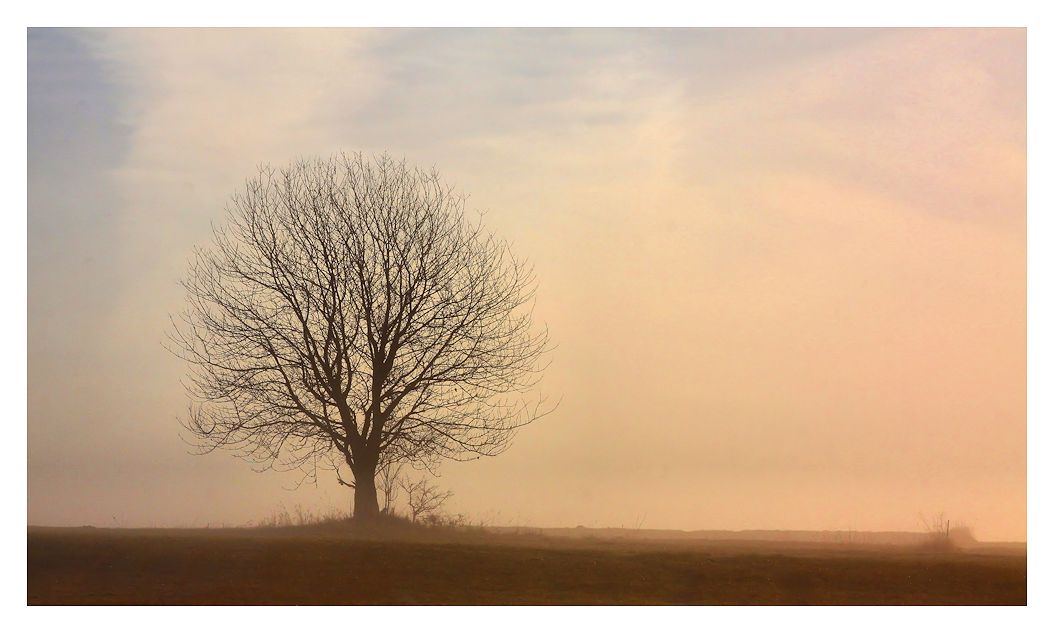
{"x": 781, "y": 265}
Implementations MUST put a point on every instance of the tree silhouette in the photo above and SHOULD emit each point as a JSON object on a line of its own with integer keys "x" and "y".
{"x": 390, "y": 476}
{"x": 423, "y": 497}
{"x": 349, "y": 315}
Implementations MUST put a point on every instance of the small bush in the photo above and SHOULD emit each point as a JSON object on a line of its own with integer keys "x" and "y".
{"x": 941, "y": 536}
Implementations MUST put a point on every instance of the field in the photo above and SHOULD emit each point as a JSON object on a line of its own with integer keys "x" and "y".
{"x": 335, "y": 565}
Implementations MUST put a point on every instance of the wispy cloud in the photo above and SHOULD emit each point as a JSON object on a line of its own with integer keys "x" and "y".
{"x": 782, "y": 265}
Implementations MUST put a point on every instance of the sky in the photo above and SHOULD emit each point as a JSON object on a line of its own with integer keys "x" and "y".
{"x": 784, "y": 270}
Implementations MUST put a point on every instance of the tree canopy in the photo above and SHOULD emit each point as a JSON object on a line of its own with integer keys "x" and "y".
{"x": 348, "y": 314}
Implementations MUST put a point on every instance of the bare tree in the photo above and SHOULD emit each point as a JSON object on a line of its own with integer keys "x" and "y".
{"x": 423, "y": 497}
{"x": 936, "y": 525}
{"x": 938, "y": 532}
{"x": 349, "y": 315}
{"x": 389, "y": 478}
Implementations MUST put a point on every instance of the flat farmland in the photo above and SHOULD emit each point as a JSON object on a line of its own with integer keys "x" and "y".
{"x": 334, "y": 566}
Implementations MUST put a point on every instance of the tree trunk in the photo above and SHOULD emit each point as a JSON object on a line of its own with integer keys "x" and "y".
{"x": 366, "y": 506}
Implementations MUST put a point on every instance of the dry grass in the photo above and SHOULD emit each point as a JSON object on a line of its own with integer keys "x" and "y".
{"x": 399, "y": 563}
{"x": 299, "y": 516}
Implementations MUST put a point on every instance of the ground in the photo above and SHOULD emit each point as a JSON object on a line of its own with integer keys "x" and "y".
{"x": 336, "y": 565}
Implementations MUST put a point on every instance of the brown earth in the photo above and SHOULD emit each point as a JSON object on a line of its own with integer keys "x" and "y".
{"x": 338, "y": 565}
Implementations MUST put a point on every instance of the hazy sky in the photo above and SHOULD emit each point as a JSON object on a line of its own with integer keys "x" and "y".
{"x": 785, "y": 269}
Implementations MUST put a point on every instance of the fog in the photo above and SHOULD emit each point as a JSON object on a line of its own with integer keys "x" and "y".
{"x": 784, "y": 269}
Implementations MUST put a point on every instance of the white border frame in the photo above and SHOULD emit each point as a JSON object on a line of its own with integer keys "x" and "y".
{"x": 553, "y": 13}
